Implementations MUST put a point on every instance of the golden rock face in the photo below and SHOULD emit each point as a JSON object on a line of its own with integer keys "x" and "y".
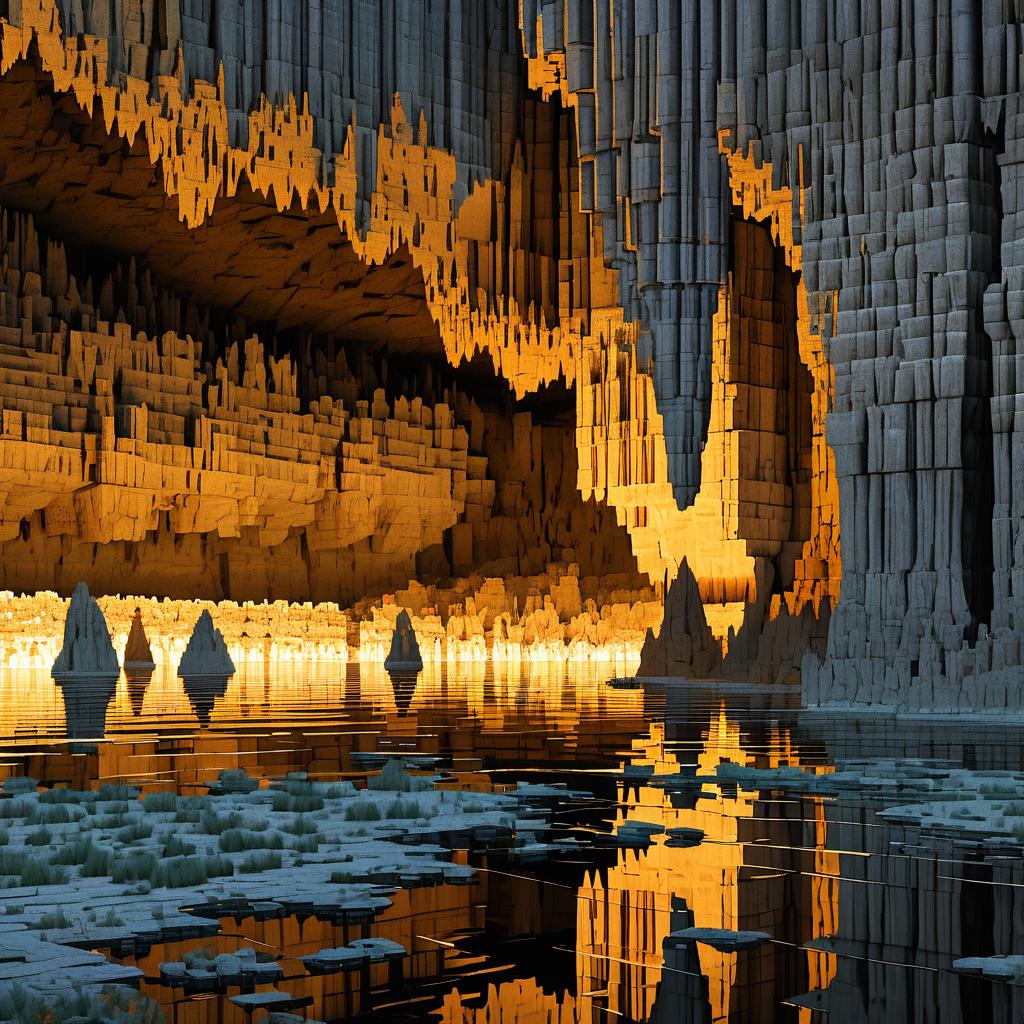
{"x": 174, "y": 449}
{"x": 154, "y": 469}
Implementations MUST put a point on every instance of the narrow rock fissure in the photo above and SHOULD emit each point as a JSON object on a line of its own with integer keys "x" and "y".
{"x": 978, "y": 452}
{"x": 773, "y": 404}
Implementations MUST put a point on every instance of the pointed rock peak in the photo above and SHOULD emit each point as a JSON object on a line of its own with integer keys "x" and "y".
{"x": 87, "y": 648}
{"x": 684, "y": 646}
{"x": 137, "y": 651}
{"x": 206, "y": 653}
{"x": 404, "y": 656}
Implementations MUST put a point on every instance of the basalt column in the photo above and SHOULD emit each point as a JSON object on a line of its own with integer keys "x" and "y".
{"x": 920, "y": 441}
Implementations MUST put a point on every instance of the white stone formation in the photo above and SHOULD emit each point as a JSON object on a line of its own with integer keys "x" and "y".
{"x": 206, "y": 655}
{"x": 87, "y": 652}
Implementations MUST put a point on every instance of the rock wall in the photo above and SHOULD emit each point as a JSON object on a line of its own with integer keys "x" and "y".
{"x": 897, "y": 127}
{"x": 444, "y": 226}
{"x": 149, "y": 462}
{"x": 771, "y": 250}
{"x": 241, "y": 387}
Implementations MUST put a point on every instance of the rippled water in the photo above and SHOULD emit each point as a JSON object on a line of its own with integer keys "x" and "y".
{"x": 865, "y": 917}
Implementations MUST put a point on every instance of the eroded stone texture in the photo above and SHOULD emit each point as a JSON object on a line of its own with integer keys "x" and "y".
{"x": 720, "y": 225}
{"x": 510, "y": 272}
{"x": 452, "y": 231}
{"x": 87, "y": 650}
{"x": 895, "y": 132}
{"x": 157, "y": 467}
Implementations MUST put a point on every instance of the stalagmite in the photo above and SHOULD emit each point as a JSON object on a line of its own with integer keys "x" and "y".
{"x": 205, "y": 667}
{"x": 87, "y": 652}
{"x": 138, "y": 663}
{"x": 206, "y": 655}
{"x": 138, "y": 657}
{"x": 879, "y": 145}
{"x": 404, "y": 658}
{"x": 754, "y": 273}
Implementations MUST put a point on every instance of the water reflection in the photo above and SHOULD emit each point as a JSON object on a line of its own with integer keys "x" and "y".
{"x": 86, "y": 701}
{"x": 436, "y": 910}
{"x": 202, "y": 691}
{"x": 403, "y": 687}
{"x": 865, "y": 916}
{"x": 137, "y": 683}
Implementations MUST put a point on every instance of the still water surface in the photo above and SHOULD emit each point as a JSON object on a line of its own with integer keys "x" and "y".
{"x": 865, "y": 918}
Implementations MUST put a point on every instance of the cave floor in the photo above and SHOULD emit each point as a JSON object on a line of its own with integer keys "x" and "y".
{"x": 648, "y": 853}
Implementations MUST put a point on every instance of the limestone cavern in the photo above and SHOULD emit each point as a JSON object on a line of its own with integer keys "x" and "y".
{"x": 511, "y": 511}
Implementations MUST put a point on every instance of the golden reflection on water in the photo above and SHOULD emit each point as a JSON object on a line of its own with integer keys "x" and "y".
{"x": 522, "y": 1001}
{"x": 32, "y": 703}
{"x": 314, "y": 716}
{"x": 625, "y": 915}
{"x": 624, "y": 912}
{"x": 310, "y": 716}
{"x": 434, "y": 910}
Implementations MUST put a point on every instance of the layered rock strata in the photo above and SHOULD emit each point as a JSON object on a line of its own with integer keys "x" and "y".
{"x": 170, "y": 453}
{"x": 479, "y": 244}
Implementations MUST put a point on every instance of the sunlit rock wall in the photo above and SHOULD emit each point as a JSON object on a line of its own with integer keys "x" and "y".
{"x": 149, "y": 462}
{"x": 400, "y": 179}
{"x": 268, "y": 238}
{"x": 898, "y": 128}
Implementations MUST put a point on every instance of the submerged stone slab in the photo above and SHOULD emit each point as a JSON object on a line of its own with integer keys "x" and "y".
{"x": 303, "y": 848}
{"x": 342, "y": 958}
{"x": 998, "y": 968}
{"x": 380, "y": 949}
{"x": 262, "y": 1000}
{"x": 684, "y": 837}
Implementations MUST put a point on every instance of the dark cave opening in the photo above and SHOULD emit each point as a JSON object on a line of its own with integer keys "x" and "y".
{"x": 293, "y": 269}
